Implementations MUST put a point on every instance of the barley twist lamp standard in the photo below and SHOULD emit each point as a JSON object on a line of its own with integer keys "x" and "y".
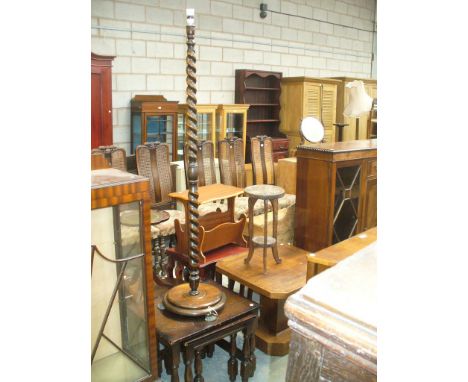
{"x": 192, "y": 298}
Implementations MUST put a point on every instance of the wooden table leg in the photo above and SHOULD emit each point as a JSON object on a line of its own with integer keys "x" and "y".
{"x": 272, "y": 314}
{"x": 274, "y": 207}
{"x": 253, "y": 358}
{"x": 265, "y": 234}
{"x": 174, "y": 355}
{"x": 188, "y": 358}
{"x": 245, "y": 364}
{"x": 198, "y": 367}
{"x": 156, "y": 257}
{"x": 232, "y": 363}
{"x": 163, "y": 257}
{"x": 251, "y": 204}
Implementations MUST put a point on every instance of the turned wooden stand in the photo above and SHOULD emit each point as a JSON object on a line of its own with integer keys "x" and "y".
{"x": 266, "y": 193}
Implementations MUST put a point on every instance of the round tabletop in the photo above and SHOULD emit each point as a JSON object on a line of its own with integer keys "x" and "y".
{"x": 132, "y": 217}
{"x": 264, "y": 191}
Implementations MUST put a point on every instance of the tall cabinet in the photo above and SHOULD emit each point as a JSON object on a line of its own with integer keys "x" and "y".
{"x": 154, "y": 119}
{"x": 261, "y": 90}
{"x": 336, "y": 192}
{"x": 123, "y": 332}
{"x": 349, "y": 132}
{"x": 101, "y": 100}
{"x": 303, "y": 97}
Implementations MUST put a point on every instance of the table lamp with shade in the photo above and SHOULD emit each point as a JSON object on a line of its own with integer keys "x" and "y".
{"x": 359, "y": 102}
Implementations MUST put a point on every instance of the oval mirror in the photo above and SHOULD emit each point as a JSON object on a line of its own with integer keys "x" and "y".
{"x": 312, "y": 129}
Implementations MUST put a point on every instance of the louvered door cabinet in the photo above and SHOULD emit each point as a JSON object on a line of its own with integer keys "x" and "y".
{"x": 307, "y": 96}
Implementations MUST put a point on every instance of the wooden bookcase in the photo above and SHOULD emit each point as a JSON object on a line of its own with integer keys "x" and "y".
{"x": 261, "y": 90}
{"x": 154, "y": 119}
{"x": 307, "y": 96}
{"x": 349, "y": 132}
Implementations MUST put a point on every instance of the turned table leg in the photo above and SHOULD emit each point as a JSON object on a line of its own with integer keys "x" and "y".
{"x": 174, "y": 355}
{"x": 232, "y": 363}
{"x": 274, "y": 207}
{"x": 188, "y": 358}
{"x": 245, "y": 364}
{"x": 198, "y": 367}
{"x": 253, "y": 358}
{"x": 251, "y": 203}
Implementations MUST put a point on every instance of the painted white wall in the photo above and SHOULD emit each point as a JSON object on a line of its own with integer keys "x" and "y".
{"x": 147, "y": 38}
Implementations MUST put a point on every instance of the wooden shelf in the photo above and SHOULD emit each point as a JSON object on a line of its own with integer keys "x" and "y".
{"x": 264, "y": 104}
{"x": 267, "y": 89}
{"x": 262, "y": 120}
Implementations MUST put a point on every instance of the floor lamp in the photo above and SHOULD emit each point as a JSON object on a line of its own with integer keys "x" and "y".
{"x": 359, "y": 102}
{"x": 193, "y": 298}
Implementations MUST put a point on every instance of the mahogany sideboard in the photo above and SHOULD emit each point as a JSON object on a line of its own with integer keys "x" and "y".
{"x": 336, "y": 192}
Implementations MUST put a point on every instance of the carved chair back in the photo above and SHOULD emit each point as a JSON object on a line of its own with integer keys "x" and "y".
{"x": 231, "y": 161}
{"x": 262, "y": 160}
{"x": 153, "y": 162}
{"x": 115, "y": 156}
{"x": 205, "y": 161}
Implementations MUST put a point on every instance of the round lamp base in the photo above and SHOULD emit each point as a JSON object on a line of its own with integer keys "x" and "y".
{"x": 178, "y": 300}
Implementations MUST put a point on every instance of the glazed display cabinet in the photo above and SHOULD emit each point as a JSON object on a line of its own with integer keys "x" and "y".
{"x": 206, "y": 123}
{"x": 123, "y": 343}
{"x": 336, "y": 194}
{"x": 154, "y": 119}
{"x": 231, "y": 122}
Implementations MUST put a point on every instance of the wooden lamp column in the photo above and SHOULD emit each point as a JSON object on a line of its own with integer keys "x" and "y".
{"x": 193, "y": 298}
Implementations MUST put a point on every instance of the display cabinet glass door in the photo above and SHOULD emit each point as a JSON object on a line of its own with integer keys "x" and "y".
{"x": 119, "y": 330}
{"x": 346, "y": 204}
{"x": 159, "y": 128}
{"x": 234, "y": 125}
{"x": 204, "y": 123}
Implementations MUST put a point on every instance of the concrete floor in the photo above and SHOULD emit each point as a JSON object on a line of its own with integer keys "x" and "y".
{"x": 269, "y": 368}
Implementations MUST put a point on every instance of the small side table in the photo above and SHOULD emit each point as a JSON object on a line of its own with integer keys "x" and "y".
{"x": 191, "y": 336}
{"x": 266, "y": 193}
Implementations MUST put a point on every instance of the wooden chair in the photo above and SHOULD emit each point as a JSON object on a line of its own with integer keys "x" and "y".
{"x": 115, "y": 156}
{"x": 262, "y": 160}
{"x": 153, "y": 162}
{"x": 206, "y": 173}
{"x": 205, "y": 161}
{"x": 263, "y": 172}
{"x": 231, "y": 161}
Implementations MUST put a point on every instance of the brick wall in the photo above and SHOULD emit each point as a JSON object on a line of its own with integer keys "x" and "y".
{"x": 148, "y": 39}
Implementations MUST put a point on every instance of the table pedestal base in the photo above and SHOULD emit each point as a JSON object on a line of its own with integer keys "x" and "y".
{"x": 273, "y": 344}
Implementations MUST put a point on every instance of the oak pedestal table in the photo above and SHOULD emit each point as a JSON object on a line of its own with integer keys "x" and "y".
{"x": 274, "y": 287}
{"x": 191, "y": 335}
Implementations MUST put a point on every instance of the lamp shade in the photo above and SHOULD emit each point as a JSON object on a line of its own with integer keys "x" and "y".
{"x": 359, "y": 101}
